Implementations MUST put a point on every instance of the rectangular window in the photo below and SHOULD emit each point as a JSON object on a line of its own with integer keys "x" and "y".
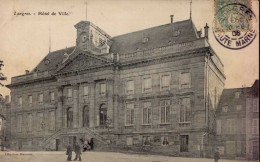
{"x": 41, "y": 98}
{"x": 103, "y": 89}
{"x": 185, "y": 110}
{"x": 147, "y": 85}
{"x": 239, "y": 149}
{"x": 20, "y": 101}
{"x": 239, "y": 107}
{"x": 146, "y": 140}
{"x": 129, "y": 114}
{"x": 85, "y": 91}
{"x": 243, "y": 124}
{"x": 255, "y": 126}
{"x": 147, "y": 113}
{"x": 184, "y": 143}
{"x": 129, "y": 141}
{"x": 69, "y": 93}
{"x": 165, "y": 82}
{"x": 52, "y": 97}
{"x": 30, "y": 122}
{"x": 164, "y": 141}
{"x": 218, "y": 126}
{"x": 19, "y": 123}
{"x": 231, "y": 126}
{"x": 185, "y": 80}
{"x": 165, "y": 111}
{"x": 30, "y": 100}
{"x": 40, "y": 124}
{"x": 51, "y": 120}
{"x": 255, "y": 105}
{"x": 224, "y": 108}
{"x": 130, "y": 87}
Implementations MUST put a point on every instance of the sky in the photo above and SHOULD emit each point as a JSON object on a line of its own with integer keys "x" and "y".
{"x": 24, "y": 40}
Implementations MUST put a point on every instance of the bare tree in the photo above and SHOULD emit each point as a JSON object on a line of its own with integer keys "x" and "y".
{"x": 2, "y": 77}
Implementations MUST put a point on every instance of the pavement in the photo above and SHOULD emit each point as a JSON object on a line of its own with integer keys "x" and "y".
{"x": 59, "y": 156}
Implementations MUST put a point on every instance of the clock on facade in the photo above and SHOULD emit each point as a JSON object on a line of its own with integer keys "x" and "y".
{"x": 83, "y": 37}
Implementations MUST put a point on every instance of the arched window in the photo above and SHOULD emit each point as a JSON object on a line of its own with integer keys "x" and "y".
{"x": 103, "y": 114}
{"x": 69, "y": 117}
{"x": 85, "y": 116}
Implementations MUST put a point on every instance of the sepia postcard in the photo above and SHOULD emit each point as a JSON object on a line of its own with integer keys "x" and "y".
{"x": 129, "y": 80}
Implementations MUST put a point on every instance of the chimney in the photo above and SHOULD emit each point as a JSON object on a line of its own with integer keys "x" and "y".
{"x": 206, "y": 28}
{"x": 171, "y": 18}
{"x": 27, "y": 71}
{"x": 199, "y": 33}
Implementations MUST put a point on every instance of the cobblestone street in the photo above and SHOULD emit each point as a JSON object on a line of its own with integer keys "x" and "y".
{"x": 60, "y": 156}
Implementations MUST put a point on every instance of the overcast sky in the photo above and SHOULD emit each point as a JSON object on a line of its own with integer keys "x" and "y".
{"x": 24, "y": 40}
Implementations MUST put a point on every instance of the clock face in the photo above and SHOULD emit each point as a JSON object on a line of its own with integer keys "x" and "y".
{"x": 83, "y": 37}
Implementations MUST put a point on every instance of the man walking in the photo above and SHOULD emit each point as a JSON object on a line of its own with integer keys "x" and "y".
{"x": 77, "y": 152}
{"x": 216, "y": 155}
{"x": 69, "y": 152}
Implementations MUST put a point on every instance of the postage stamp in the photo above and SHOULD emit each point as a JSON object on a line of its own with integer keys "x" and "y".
{"x": 234, "y": 25}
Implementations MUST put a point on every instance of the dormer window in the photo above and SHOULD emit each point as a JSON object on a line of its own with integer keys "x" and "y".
{"x": 224, "y": 108}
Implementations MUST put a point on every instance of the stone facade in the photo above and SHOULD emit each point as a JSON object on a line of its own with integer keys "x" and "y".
{"x": 154, "y": 89}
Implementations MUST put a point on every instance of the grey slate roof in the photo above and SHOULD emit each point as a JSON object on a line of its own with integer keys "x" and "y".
{"x": 178, "y": 32}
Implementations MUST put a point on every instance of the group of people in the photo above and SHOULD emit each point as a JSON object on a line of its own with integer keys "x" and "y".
{"x": 87, "y": 145}
{"x": 76, "y": 150}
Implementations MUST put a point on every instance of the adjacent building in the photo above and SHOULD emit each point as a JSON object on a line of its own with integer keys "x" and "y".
{"x": 237, "y": 129}
{"x": 156, "y": 88}
{"x": 4, "y": 125}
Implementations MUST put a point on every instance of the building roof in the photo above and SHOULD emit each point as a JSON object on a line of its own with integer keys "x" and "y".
{"x": 228, "y": 98}
{"x": 164, "y": 35}
{"x": 159, "y": 36}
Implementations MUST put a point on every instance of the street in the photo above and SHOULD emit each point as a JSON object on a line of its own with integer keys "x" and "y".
{"x": 59, "y": 156}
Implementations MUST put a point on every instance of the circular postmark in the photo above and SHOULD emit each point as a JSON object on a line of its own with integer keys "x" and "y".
{"x": 234, "y": 26}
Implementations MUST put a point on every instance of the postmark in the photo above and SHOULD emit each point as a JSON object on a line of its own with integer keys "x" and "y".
{"x": 234, "y": 25}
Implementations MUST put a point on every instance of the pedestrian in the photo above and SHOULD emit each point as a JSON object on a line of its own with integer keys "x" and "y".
{"x": 69, "y": 152}
{"x": 77, "y": 152}
{"x": 216, "y": 155}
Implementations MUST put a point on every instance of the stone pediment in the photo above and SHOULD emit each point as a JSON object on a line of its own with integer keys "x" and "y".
{"x": 82, "y": 62}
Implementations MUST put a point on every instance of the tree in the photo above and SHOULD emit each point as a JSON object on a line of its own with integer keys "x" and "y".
{"x": 2, "y": 77}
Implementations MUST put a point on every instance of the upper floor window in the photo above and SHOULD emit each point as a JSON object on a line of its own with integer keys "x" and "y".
{"x": 165, "y": 82}
{"x": 85, "y": 91}
{"x": 237, "y": 94}
{"x": 231, "y": 126}
{"x": 224, "y": 108}
{"x": 147, "y": 112}
{"x": 255, "y": 127}
{"x": 255, "y": 105}
{"x": 103, "y": 89}
{"x": 185, "y": 80}
{"x": 41, "y": 98}
{"x": 165, "y": 111}
{"x": 239, "y": 107}
{"x": 147, "y": 84}
{"x": 219, "y": 127}
{"x": 129, "y": 114}
{"x": 185, "y": 110}
{"x": 130, "y": 87}
{"x": 69, "y": 93}
{"x": 30, "y": 99}
{"x": 52, "y": 97}
{"x": 20, "y": 101}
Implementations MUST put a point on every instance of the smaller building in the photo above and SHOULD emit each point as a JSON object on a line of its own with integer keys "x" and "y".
{"x": 237, "y": 129}
{"x": 252, "y": 119}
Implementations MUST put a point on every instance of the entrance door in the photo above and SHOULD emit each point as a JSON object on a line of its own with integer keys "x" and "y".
{"x": 255, "y": 149}
{"x": 72, "y": 141}
{"x": 20, "y": 145}
{"x": 57, "y": 144}
{"x": 184, "y": 142}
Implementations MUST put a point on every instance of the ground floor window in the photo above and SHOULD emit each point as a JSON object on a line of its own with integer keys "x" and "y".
{"x": 184, "y": 143}
{"x": 164, "y": 141}
{"x": 129, "y": 141}
{"x": 230, "y": 147}
{"x": 146, "y": 140}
